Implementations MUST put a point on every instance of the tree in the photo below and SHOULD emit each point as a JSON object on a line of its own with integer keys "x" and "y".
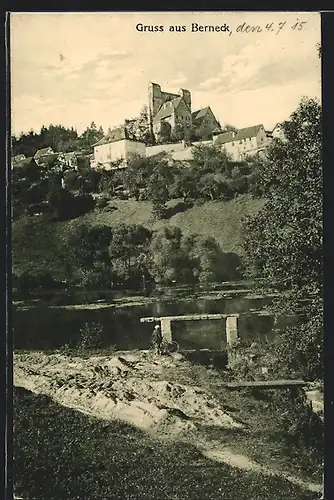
{"x": 158, "y": 187}
{"x": 186, "y": 183}
{"x": 128, "y": 245}
{"x": 170, "y": 260}
{"x": 208, "y": 158}
{"x": 139, "y": 129}
{"x": 178, "y": 133}
{"x": 204, "y": 132}
{"x": 91, "y": 135}
{"x": 229, "y": 128}
{"x": 87, "y": 251}
{"x": 283, "y": 242}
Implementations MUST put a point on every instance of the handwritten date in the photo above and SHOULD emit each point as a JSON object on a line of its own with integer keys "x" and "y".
{"x": 274, "y": 28}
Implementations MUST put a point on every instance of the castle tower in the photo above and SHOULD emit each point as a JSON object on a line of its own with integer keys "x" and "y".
{"x": 186, "y": 96}
{"x": 154, "y": 101}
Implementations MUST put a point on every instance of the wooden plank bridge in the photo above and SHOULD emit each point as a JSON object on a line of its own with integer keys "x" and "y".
{"x": 265, "y": 384}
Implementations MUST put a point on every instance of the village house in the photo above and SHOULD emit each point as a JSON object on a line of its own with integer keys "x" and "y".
{"x": 69, "y": 160}
{"x": 48, "y": 160}
{"x": 17, "y": 160}
{"x": 42, "y": 153}
{"x": 277, "y": 132}
{"x": 117, "y": 147}
{"x": 204, "y": 122}
{"x": 174, "y": 111}
{"x": 24, "y": 162}
{"x": 244, "y": 142}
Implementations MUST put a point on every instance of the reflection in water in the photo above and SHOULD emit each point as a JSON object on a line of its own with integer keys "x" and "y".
{"x": 43, "y": 327}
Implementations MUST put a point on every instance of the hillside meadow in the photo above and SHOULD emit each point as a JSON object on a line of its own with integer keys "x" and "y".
{"x": 38, "y": 246}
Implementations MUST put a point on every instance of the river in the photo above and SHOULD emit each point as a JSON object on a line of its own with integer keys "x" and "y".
{"x": 46, "y": 323}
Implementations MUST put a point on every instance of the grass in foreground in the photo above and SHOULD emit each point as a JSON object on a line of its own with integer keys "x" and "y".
{"x": 281, "y": 430}
{"x": 61, "y": 453}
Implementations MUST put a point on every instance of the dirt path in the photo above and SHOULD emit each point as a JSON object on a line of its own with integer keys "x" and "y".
{"x": 133, "y": 388}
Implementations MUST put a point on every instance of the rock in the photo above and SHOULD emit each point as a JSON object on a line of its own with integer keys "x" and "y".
{"x": 176, "y": 356}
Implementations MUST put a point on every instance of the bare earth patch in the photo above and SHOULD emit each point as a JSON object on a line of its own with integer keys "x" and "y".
{"x": 143, "y": 392}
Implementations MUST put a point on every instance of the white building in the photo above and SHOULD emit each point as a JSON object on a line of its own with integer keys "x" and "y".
{"x": 245, "y": 142}
{"x": 116, "y": 146}
{"x": 278, "y": 132}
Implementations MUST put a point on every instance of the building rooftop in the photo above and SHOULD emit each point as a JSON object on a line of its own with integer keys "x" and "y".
{"x": 42, "y": 152}
{"x": 167, "y": 108}
{"x": 200, "y": 113}
{"x": 243, "y": 133}
{"x": 117, "y": 134}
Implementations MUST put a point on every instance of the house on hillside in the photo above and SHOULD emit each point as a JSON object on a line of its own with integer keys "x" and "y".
{"x": 69, "y": 160}
{"x": 47, "y": 160}
{"x": 278, "y": 132}
{"x": 25, "y": 162}
{"x": 204, "y": 122}
{"x": 41, "y": 153}
{"x": 17, "y": 160}
{"x": 116, "y": 146}
{"x": 245, "y": 142}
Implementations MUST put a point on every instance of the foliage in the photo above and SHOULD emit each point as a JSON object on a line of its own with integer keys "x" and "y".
{"x": 299, "y": 426}
{"x": 283, "y": 242}
{"x": 128, "y": 250}
{"x": 138, "y": 128}
{"x": 229, "y": 128}
{"x": 91, "y": 336}
{"x": 298, "y": 351}
{"x": 91, "y": 135}
{"x": 59, "y": 138}
{"x": 64, "y": 205}
{"x": 189, "y": 259}
{"x": 55, "y": 136}
{"x": 159, "y": 210}
{"x": 178, "y": 133}
{"x": 102, "y": 202}
{"x": 87, "y": 247}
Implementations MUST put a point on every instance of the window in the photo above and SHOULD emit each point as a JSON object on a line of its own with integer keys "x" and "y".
{"x": 232, "y": 143}
{"x": 240, "y": 142}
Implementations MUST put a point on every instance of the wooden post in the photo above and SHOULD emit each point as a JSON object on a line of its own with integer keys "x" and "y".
{"x": 231, "y": 329}
{"x": 166, "y": 329}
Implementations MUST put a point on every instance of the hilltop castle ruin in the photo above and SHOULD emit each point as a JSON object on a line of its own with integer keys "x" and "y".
{"x": 174, "y": 111}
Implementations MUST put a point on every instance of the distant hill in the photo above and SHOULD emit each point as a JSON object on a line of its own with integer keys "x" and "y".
{"x": 37, "y": 251}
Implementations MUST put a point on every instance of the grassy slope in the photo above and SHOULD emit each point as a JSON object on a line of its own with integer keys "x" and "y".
{"x": 84, "y": 458}
{"x": 221, "y": 220}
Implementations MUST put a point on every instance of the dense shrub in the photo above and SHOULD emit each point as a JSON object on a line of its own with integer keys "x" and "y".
{"x": 298, "y": 350}
{"x": 102, "y": 202}
{"x": 91, "y": 336}
{"x": 159, "y": 210}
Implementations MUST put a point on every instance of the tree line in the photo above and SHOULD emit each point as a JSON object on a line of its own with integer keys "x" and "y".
{"x": 62, "y": 139}
{"x": 210, "y": 175}
{"x": 130, "y": 257}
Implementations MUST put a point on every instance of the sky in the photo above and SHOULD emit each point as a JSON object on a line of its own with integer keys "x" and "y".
{"x": 72, "y": 68}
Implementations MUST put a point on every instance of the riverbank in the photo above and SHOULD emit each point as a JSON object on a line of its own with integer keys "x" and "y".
{"x": 180, "y": 405}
